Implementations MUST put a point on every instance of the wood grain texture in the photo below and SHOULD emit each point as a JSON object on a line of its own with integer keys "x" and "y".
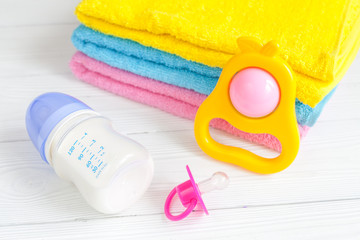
{"x": 317, "y": 197}
{"x": 301, "y": 221}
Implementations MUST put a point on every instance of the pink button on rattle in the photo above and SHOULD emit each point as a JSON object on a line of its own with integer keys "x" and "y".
{"x": 254, "y": 92}
{"x": 190, "y": 193}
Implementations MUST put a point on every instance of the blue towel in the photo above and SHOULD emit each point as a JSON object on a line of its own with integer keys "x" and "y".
{"x": 162, "y": 66}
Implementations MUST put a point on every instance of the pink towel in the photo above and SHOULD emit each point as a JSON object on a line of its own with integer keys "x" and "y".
{"x": 175, "y": 100}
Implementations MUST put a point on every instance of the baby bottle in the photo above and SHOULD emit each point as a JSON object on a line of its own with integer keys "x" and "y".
{"x": 110, "y": 170}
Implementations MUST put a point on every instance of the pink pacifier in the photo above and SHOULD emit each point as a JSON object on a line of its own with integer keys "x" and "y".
{"x": 190, "y": 193}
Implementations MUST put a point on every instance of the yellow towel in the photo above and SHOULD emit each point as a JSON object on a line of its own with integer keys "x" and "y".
{"x": 318, "y": 38}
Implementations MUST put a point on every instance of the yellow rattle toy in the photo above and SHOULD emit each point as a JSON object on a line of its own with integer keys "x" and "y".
{"x": 255, "y": 93}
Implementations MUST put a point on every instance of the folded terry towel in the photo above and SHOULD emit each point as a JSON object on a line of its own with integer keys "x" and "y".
{"x": 319, "y": 39}
{"x": 162, "y": 66}
{"x": 175, "y": 100}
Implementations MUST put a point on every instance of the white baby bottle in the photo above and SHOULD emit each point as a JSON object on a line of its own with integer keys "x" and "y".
{"x": 110, "y": 170}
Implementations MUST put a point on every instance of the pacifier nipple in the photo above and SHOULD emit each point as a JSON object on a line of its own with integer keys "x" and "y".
{"x": 218, "y": 181}
{"x": 190, "y": 193}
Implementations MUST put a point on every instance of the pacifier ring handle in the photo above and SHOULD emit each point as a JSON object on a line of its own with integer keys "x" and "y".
{"x": 182, "y": 215}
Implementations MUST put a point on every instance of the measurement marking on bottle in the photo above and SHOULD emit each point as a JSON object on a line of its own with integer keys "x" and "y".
{"x": 101, "y": 148}
{"x": 84, "y": 136}
{"x": 71, "y": 150}
{"x": 89, "y": 154}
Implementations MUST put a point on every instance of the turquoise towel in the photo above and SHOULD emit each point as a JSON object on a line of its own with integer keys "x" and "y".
{"x": 162, "y": 66}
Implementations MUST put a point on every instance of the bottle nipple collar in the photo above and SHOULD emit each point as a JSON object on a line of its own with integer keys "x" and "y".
{"x": 190, "y": 193}
{"x": 256, "y": 94}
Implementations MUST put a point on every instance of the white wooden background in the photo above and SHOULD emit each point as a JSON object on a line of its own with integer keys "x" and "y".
{"x": 317, "y": 197}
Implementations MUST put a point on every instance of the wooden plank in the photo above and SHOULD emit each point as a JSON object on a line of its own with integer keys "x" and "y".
{"x": 323, "y": 171}
{"x": 331, "y": 221}
{"x": 129, "y": 116}
{"x": 30, "y": 51}
{"x": 15, "y": 13}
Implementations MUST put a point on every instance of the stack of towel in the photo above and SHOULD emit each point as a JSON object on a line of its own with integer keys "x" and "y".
{"x": 169, "y": 54}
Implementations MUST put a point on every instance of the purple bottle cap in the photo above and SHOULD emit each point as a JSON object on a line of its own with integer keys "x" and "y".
{"x": 45, "y": 112}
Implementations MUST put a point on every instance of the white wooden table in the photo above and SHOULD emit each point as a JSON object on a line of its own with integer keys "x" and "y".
{"x": 317, "y": 197}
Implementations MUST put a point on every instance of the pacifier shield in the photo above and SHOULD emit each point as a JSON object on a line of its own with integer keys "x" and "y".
{"x": 254, "y": 92}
